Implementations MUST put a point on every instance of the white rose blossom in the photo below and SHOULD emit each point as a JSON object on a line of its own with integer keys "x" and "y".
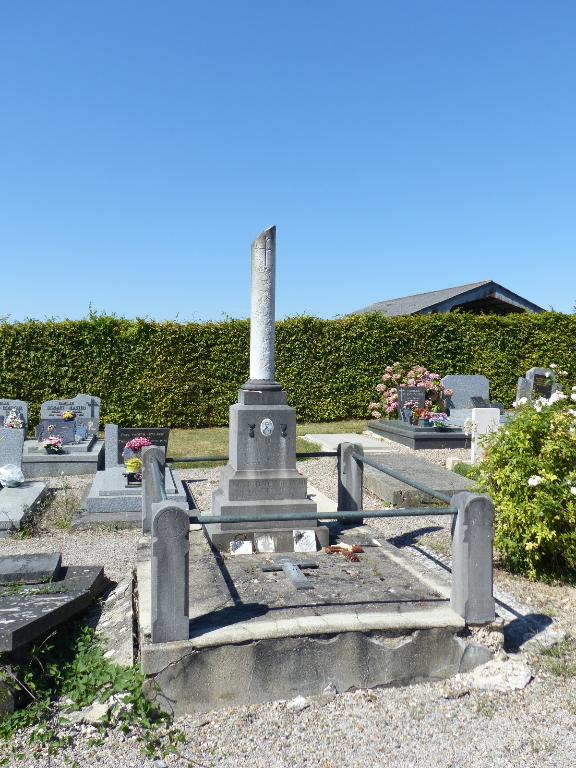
{"x": 573, "y": 490}
{"x": 534, "y": 480}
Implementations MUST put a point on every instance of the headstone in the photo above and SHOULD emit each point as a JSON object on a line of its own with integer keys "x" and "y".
{"x": 85, "y": 407}
{"x": 11, "y": 445}
{"x": 157, "y": 435}
{"x": 19, "y": 406}
{"x": 538, "y": 382}
{"x": 464, "y": 388}
{"x": 485, "y": 420}
{"x": 56, "y": 428}
{"x": 411, "y": 394}
{"x": 29, "y": 569}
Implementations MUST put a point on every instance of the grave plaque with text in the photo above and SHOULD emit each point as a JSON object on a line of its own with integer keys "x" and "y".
{"x": 156, "y": 435}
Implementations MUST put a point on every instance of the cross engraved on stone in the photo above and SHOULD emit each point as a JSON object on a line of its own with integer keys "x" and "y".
{"x": 92, "y": 403}
{"x": 292, "y": 570}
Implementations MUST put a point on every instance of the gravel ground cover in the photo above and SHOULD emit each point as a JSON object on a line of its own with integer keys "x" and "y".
{"x": 447, "y": 724}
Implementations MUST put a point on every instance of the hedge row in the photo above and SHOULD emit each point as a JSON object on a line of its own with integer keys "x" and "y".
{"x": 187, "y": 375}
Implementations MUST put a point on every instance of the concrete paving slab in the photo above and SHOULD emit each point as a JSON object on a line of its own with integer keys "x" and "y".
{"x": 328, "y": 442}
{"x": 400, "y": 494}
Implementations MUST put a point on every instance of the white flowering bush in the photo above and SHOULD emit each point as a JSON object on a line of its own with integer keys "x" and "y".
{"x": 529, "y": 470}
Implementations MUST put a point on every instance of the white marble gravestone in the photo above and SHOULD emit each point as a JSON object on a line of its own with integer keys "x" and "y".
{"x": 485, "y": 421}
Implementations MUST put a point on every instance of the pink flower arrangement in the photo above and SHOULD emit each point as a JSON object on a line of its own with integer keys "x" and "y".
{"x": 137, "y": 443}
{"x": 417, "y": 376}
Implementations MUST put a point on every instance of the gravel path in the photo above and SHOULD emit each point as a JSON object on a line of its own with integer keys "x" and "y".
{"x": 434, "y": 725}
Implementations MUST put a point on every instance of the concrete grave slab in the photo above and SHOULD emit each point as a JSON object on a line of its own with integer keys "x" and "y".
{"x": 80, "y": 459}
{"x": 418, "y": 438}
{"x": 400, "y": 494}
{"x": 29, "y": 569}
{"x": 17, "y": 503}
{"x": 255, "y": 638}
{"x": 108, "y": 493}
{"x": 35, "y": 610}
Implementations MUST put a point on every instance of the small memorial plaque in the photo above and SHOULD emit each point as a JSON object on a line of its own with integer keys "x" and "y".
{"x": 156, "y": 435}
{"x": 56, "y": 428}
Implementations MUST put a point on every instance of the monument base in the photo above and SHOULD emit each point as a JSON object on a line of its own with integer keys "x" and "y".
{"x": 261, "y": 477}
{"x": 261, "y": 540}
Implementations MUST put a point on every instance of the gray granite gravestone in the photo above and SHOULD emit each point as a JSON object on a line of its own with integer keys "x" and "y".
{"x": 464, "y": 388}
{"x": 85, "y": 406}
{"x": 55, "y": 427}
{"x": 538, "y": 382}
{"x": 21, "y": 408}
{"x": 261, "y": 476}
{"x": 11, "y": 445}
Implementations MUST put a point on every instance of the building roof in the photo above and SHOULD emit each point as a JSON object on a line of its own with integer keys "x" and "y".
{"x": 485, "y": 296}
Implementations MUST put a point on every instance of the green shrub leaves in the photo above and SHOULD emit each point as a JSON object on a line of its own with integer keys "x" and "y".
{"x": 187, "y": 375}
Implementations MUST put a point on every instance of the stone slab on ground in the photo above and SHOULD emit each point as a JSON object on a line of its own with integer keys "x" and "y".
{"x": 109, "y": 494}
{"x": 419, "y": 438}
{"x": 33, "y": 611}
{"x": 330, "y": 442}
{"x": 29, "y": 569}
{"x": 398, "y": 493}
{"x": 75, "y": 461}
{"x": 253, "y": 637}
{"x": 17, "y": 503}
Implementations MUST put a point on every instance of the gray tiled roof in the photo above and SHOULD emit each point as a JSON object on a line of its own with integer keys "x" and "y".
{"x": 410, "y": 305}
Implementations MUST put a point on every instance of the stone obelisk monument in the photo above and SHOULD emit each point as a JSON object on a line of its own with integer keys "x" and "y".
{"x": 261, "y": 476}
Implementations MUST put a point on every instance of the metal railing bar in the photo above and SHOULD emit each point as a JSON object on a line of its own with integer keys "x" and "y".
{"x": 361, "y": 513}
{"x": 195, "y": 459}
{"x": 403, "y": 478}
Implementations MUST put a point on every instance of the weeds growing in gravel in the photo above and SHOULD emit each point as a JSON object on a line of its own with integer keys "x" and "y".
{"x": 64, "y": 674}
{"x": 560, "y": 659}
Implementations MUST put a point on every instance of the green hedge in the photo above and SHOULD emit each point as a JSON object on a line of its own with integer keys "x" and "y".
{"x": 187, "y": 375}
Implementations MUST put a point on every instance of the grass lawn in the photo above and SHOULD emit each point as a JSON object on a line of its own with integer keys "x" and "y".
{"x": 213, "y": 441}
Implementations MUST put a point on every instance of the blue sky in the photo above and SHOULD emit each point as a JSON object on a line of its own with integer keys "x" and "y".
{"x": 398, "y": 147}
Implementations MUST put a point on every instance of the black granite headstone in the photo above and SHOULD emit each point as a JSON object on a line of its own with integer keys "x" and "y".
{"x": 480, "y": 402}
{"x": 156, "y": 435}
{"x": 542, "y": 385}
{"x": 411, "y": 394}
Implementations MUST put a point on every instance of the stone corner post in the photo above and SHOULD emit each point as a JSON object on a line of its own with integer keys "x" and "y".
{"x": 472, "y": 577}
{"x": 151, "y": 494}
{"x": 169, "y": 582}
{"x": 350, "y": 477}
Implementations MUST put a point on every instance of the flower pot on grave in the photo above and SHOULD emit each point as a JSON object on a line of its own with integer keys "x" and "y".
{"x": 52, "y": 449}
{"x": 133, "y": 479}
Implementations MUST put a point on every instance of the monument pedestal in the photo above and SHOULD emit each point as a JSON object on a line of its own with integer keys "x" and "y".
{"x": 261, "y": 477}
